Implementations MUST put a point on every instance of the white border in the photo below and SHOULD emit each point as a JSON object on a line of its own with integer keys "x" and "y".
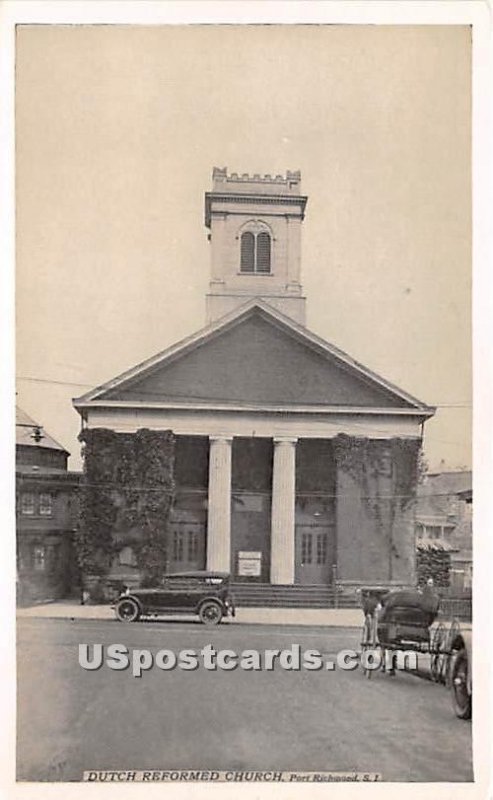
{"x": 367, "y": 12}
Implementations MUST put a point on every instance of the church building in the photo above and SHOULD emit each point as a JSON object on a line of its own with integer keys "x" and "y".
{"x": 295, "y": 466}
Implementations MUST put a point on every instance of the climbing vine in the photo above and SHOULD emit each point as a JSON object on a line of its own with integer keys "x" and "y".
{"x": 434, "y": 562}
{"x": 387, "y": 473}
{"x": 409, "y": 466}
{"x": 126, "y": 494}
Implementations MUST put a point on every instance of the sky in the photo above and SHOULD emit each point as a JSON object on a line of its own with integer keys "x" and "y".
{"x": 117, "y": 131}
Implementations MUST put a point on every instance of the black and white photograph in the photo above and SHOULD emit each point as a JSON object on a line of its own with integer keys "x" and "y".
{"x": 244, "y": 506}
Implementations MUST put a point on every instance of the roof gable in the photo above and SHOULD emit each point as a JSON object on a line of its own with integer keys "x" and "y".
{"x": 255, "y": 355}
{"x": 446, "y": 483}
{"x": 24, "y": 427}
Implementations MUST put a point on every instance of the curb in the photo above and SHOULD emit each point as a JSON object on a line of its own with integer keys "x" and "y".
{"x": 330, "y": 618}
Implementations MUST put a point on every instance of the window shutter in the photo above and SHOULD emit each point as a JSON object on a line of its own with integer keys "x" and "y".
{"x": 247, "y": 252}
{"x": 263, "y": 252}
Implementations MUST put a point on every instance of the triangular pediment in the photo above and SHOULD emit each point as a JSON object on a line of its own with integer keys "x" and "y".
{"x": 255, "y": 356}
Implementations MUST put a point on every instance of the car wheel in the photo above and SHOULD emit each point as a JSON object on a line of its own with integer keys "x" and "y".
{"x": 127, "y": 610}
{"x": 461, "y": 699}
{"x": 210, "y": 614}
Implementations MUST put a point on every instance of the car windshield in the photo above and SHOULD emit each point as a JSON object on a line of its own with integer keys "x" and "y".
{"x": 204, "y": 580}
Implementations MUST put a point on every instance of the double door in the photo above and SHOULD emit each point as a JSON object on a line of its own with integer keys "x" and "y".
{"x": 315, "y": 553}
{"x": 186, "y": 546}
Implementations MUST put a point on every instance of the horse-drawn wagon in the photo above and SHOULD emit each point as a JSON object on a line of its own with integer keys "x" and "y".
{"x": 406, "y": 620}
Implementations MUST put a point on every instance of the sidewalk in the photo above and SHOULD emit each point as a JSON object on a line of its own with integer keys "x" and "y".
{"x": 331, "y": 617}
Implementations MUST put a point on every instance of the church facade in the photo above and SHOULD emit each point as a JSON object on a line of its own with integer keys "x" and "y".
{"x": 294, "y": 464}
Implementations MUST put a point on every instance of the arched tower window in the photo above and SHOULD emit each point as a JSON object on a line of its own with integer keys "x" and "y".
{"x": 255, "y": 252}
{"x": 247, "y": 252}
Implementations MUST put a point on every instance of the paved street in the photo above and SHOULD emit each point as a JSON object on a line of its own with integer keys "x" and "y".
{"x": 70, "y": 719}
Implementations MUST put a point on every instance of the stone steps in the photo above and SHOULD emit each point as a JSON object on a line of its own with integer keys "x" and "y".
{"x": 266, "y": 595}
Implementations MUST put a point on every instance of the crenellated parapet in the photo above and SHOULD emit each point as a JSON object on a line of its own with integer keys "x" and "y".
{"x": 290, "y": 183}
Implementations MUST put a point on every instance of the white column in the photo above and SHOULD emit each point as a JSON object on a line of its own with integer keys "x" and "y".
{"x": 283, "y": 497}
{"x": 219, "y": 507}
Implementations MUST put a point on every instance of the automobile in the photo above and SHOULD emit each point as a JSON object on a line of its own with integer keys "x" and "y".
{"x": 202, "y": 592}
{"x": 461, "y": 675}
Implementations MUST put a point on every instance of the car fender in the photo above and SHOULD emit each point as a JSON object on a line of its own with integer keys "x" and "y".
{"x": 215, "y": 600}
{"x": 131, "y": 596}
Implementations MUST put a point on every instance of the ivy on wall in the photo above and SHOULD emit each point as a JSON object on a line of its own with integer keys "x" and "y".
{"x": 387, "y": 472}
{"x": 126, "y": 495}
{"x": 433, "y": 562}
{"x": 368, "y": 459}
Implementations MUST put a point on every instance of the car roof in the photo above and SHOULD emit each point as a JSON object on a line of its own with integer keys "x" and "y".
{"x": 198, "y": 573}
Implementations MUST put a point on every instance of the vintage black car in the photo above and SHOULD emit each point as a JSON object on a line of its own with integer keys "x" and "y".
{"x": 206, "y": 594}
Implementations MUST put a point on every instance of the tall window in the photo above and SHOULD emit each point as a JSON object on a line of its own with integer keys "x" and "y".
{"x": 39, "y": 558}
{"x": 45, "y": 505}
{"x": 27, "y": 503}
{"x": 321, "y": 548}
{"x": 178, "y": 546}
{"x": 255, "y": 252}
{"x": 306, "y": 548}
{"x": 193, "y": 545}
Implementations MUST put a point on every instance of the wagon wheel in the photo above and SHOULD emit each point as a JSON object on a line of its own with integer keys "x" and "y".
{"x": 453, "y": 635}
{"x": 368, "y": 642}
{"x": 438, "y": 656}
{"x": 461, "y": 699}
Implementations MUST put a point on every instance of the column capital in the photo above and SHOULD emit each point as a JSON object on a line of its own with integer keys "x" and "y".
{"x": 217, "y": 437}
{"x": 285, "y": 439}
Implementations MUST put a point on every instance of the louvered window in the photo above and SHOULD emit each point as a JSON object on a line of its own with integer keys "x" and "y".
{"x": 263, "y": 252}
{"x": 248, "y": 252}
{"x": 255, "y": 252}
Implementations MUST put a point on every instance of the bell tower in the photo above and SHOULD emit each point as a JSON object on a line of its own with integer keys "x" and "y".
{"x": 255, "y": 236}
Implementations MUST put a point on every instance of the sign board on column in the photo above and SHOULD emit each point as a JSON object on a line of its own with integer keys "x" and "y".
{"x": 250, "y": 563}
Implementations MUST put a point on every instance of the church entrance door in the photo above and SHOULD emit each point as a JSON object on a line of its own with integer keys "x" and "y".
{"x": 186, "y": 540}
{"x": 187, "y": 546}
{"x": 315, "y": 553}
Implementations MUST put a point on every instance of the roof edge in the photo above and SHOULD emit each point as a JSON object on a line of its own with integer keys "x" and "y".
{"x": 260, "y": 408}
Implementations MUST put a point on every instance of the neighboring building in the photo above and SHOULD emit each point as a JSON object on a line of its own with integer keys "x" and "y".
{"x": 444, "y": 521}
{"x": 46, "y": 514}
{"x": 259, "y": 405}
